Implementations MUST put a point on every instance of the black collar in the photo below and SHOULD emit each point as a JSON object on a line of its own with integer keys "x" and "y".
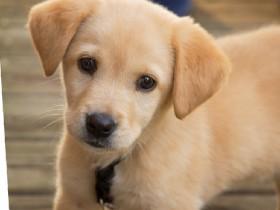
{"x": 103, "y": 184}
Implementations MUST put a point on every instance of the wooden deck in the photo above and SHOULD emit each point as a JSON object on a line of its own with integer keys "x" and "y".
{"x": 33, "y": 104}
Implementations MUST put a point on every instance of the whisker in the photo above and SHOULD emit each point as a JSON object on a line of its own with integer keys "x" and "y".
{"x": 48, "y": 116}
{"x": 52, "y": 123}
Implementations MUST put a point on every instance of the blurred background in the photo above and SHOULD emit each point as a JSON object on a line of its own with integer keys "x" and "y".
{"x": 33, "y": 104}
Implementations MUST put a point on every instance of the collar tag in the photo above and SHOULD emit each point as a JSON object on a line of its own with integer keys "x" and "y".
{"x": 106, "y": 206}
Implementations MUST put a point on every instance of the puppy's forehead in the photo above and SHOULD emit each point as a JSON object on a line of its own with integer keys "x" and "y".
{"x": 127, "y": 27}
{"x": 124, "y": 17}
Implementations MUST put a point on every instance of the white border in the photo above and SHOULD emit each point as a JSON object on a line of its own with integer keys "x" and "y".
{"x": 4, "y": 202}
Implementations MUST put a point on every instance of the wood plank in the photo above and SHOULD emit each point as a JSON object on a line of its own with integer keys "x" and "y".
{"x": 30, "y": 202}
{"x": 32, "y": 115}
{"x": 18, "y": 72}
{"x": 246, "y": 202}
{"x": 223, "y": 17}
{"x": 12, "y": 3}
{"x": 24, "y": 179}
{"x": 30, "y": 165}
{"x": 15, "y": 40}
{"x": 21, "y": 9}
{"x": 30, "y": 153}
{"x": 253, "y": 186}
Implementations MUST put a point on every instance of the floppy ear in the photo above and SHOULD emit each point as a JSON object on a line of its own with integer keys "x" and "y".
{"x": 200, "y": 67}
{"x": 52, "y": 25}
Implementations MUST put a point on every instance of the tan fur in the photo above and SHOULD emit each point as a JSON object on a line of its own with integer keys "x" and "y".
{"x": 200, "y": 67}
{"x": 51, "y": 36}
{"x": 169, "y": 163}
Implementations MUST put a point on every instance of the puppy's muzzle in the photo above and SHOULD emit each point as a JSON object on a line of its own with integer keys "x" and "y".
{"x": 100, "y": 127}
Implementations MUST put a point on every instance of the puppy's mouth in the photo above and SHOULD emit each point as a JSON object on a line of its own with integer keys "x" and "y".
{"x": 98, "y": 143}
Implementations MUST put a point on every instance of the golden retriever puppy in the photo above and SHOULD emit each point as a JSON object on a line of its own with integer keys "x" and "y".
{"x": 154, "y": 119}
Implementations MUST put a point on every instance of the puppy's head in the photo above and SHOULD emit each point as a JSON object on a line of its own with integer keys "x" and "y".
{"x": 124, "y": 62}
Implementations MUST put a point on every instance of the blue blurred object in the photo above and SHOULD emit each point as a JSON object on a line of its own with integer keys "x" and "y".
{"x": 180, "y": 7}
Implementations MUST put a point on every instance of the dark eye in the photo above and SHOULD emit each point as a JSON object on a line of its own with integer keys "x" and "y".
{"x": 145, "y": 83}
{"x": 87, "y": 64}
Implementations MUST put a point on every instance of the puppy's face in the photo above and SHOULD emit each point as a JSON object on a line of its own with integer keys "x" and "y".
{"x": 123, "y": 63}
{"x": 117, "y": 72}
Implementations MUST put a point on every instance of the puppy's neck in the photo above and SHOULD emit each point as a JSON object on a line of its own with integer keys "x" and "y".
{"x": 166, "y": 132}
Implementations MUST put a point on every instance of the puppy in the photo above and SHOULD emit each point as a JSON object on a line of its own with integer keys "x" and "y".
{"x": 152, "y": 107}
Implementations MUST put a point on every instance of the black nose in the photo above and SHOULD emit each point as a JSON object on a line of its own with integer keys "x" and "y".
{"x": 100, "y": 125}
